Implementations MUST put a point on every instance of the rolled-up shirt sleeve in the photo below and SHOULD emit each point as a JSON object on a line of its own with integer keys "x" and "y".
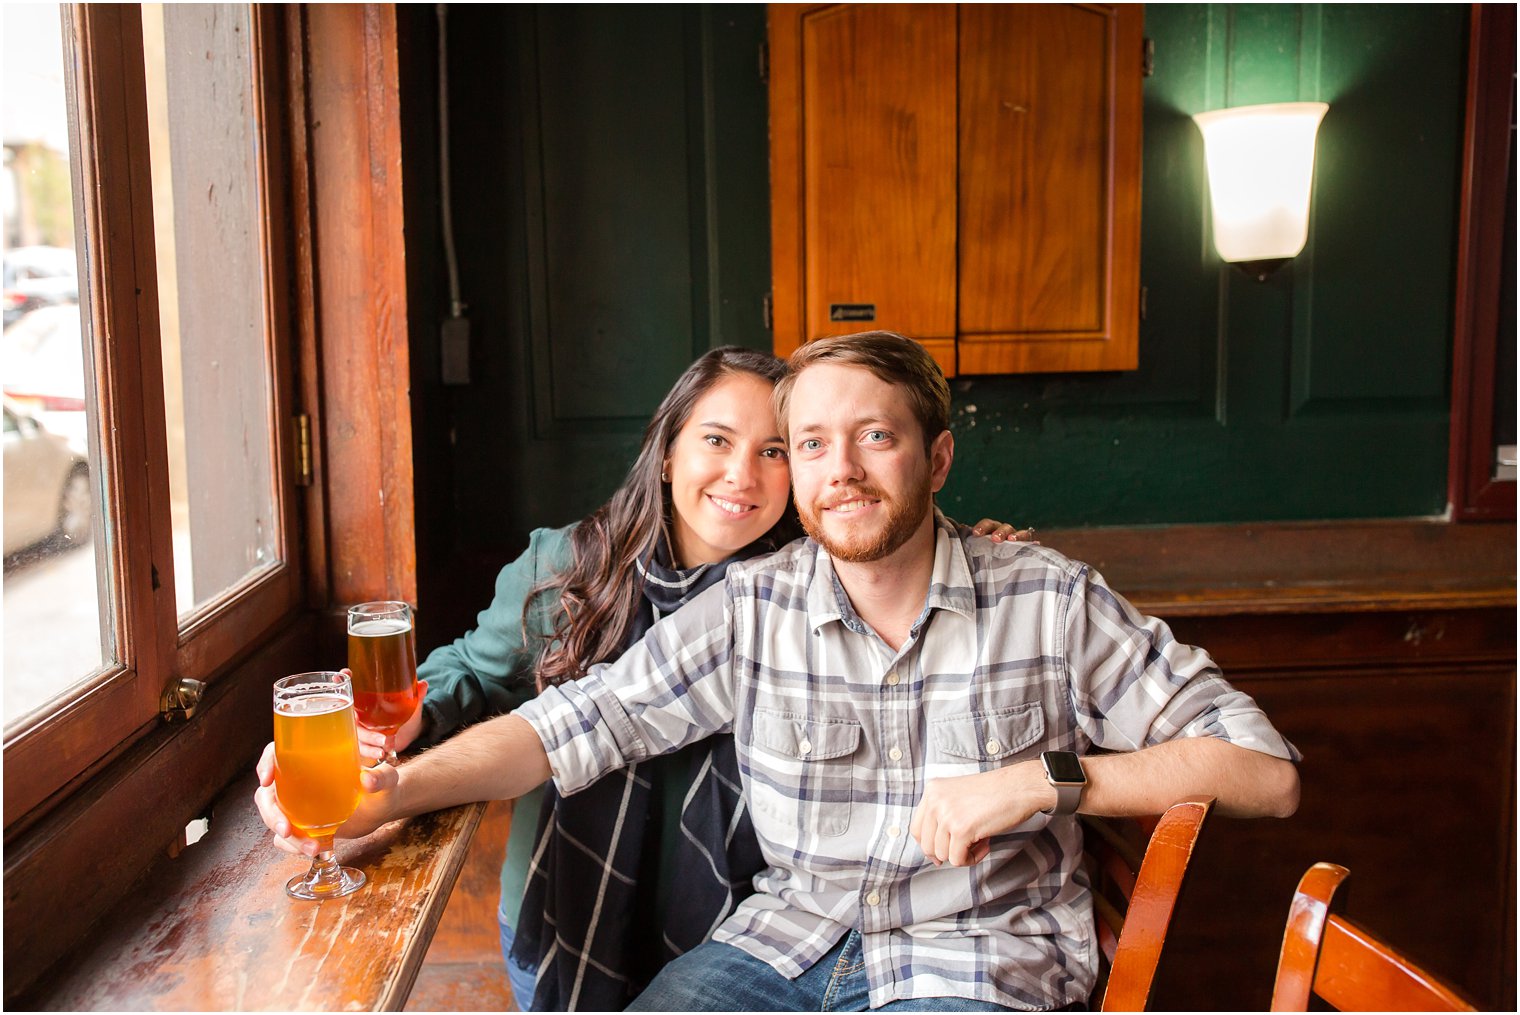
{"x": 1134, "y": 685}
{"x": 671, "y": 689}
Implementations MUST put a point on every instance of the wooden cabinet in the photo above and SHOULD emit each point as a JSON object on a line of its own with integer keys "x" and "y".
{"x": 968, "y": 175}
{"x": 1385, "y": 651}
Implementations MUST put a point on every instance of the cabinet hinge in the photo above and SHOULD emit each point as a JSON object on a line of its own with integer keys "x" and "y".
{"x": 1144, "y": 299}
{"x": 303, "y": 450}
{"x": 765, "y": 61}
{"x": 766, "y": 314}
{"x": 1147, "y": 58}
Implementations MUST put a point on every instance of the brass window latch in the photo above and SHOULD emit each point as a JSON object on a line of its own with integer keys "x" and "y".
{"x": 180, "y": 699}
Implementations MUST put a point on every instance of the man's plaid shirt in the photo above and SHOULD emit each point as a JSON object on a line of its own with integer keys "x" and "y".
{"x": 1018, "y": 650}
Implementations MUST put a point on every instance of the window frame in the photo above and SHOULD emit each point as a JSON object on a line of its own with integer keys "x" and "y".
{"x": 47, "y": 755}
{"x": 1472, "y": 491}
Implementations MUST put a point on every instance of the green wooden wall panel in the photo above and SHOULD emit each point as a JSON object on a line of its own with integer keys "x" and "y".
{"x": 1394, "y": 78}
{"x": 609, "y": 200}
{"x": 1260, "y": 49}
{"x": 1320, "y": 393}
{"x": 612, "y": 206}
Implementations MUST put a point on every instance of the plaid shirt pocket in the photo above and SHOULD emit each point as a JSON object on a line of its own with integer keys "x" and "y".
{"x": 805, "y": 770}
{"x": 988, "y": 739}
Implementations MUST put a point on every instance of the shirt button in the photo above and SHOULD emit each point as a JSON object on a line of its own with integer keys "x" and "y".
{"x": 873, "y": 899}
{"x": 892, "y": 679}
{"x": 895, "y": 754}
{"x": 804, "y": 747}
{"x": 993, "y": 747}
{"x": 894, "y": 832}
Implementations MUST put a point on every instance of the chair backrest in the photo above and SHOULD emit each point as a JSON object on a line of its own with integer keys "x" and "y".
{"x": 1342, "y": 963}
{"x": 1135, "y": 887}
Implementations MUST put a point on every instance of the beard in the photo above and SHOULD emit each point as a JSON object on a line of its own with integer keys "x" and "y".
{"x": 903, "y": 519}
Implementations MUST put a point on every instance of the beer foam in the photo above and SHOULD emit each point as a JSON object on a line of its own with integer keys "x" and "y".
{"x": 379, "y": 628}
{"x": 312, "y": 704}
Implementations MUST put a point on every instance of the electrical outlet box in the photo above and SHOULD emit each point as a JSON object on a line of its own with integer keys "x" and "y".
{"x": 456, "y": 350}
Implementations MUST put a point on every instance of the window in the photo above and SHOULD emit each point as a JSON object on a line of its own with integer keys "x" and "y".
{"x": 179, "y": 341}
{"x": 55, "y": 570}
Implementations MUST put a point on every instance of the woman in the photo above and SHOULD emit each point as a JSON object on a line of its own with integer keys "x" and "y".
{"x": 601, "y": 907}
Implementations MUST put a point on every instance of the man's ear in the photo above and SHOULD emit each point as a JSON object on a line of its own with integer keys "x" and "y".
{"x": 941, "y": 454}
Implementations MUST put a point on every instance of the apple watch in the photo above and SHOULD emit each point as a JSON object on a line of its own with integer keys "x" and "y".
{"x": 1063, "y": 770}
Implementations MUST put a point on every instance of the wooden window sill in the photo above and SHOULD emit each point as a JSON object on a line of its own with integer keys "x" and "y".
{"x": 213, "y": 930}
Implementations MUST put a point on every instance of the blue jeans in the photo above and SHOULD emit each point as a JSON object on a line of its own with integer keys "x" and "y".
{"x": 720, "y": 977}
{"x": 523, "y": 979}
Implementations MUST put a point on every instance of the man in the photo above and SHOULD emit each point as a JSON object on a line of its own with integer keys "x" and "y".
{"x": 896, "y": 688}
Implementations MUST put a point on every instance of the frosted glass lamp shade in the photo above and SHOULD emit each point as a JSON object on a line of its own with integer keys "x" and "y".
{"x": 1261, "y": 165}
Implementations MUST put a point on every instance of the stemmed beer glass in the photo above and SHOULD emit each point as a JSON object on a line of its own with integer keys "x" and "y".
{"x": 383, "y": 658}
{"x": 316, "y": 774}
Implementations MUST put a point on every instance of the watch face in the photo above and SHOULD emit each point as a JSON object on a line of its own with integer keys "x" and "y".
{"x": 1063, "y": 766}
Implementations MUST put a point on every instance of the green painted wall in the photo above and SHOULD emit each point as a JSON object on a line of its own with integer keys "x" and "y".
{"x": 1321, "y": 393}
{"x": 612, "y": 211}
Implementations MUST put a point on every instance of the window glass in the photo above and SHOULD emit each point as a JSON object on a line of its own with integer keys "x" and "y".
{"x": 211, "y": 290}
{"x": 56, "y": 581}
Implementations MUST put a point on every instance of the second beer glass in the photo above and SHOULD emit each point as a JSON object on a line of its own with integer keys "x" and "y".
{"x": 383, "y": 658}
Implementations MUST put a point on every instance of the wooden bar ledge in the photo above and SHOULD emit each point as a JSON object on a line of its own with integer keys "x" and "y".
{"x": 213, "y": 929}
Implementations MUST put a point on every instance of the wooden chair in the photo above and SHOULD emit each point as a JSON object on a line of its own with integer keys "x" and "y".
{"x": 1343, "y": 964}
{"x": 1135, "y": 885}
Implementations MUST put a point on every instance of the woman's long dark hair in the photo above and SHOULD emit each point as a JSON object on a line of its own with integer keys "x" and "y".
{"x": 600, "y": 592}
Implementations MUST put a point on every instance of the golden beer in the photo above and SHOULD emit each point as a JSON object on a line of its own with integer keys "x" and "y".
{"x": 316, "y": 762}
{"x": 316, "y": 774}
{"x": 384, "y": 664}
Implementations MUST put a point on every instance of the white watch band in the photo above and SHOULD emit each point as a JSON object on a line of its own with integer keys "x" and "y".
{"x": 1068, "y": 797}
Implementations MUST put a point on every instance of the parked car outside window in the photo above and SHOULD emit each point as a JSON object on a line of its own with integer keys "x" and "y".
{"x": 42, "y": 369}
{"x": 38, "y": 277}
{"x": 47, "y": 487}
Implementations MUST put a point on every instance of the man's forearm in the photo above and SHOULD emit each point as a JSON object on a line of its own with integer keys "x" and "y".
{"x": 956, "y": 816}
{"x": 496, "y": 760}
{"x": 1244, "y": 783}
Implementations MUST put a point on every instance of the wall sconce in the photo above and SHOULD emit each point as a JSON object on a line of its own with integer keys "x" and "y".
{"x": 1261, "y": 164}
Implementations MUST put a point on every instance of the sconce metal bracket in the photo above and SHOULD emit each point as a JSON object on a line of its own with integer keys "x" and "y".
{"x": 1259, "y": 270}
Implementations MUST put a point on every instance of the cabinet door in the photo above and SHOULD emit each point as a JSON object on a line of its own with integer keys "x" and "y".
{"x": 1049, "y": 218}
{"x": 863, "y": 161}
{"x": 968, "y": 175}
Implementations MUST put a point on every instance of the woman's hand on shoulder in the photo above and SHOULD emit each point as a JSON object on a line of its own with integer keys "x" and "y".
{"x": 1003, "y": 532}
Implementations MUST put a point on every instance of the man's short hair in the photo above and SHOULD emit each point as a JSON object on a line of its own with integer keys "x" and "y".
{"x": 892, "y": 358}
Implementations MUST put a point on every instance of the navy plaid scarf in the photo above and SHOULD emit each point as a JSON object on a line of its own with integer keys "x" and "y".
{"x": 589, "y": 920}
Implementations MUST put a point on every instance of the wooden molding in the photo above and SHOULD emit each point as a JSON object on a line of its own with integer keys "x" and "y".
{"x": 358, "y": 274}
{"x": 1472, "y": 491}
